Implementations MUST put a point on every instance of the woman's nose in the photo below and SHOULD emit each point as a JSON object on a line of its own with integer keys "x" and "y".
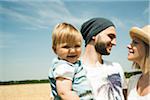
{"x": 129, "y": 46}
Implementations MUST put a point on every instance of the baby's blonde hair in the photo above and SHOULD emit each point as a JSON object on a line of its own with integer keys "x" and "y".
{"x": 65, "y": 33}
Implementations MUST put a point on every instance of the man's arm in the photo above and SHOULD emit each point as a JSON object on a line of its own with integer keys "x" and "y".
{"x": 64, "y": 89}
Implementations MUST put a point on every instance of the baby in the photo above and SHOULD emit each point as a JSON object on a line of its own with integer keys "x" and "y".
{"x": 67, "y": 74}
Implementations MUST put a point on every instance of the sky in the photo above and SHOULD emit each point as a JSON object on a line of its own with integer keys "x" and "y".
{"x": 26, "y": 27}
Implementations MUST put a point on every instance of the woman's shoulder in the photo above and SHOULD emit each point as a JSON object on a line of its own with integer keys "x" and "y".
{"x": 133, "y": 79}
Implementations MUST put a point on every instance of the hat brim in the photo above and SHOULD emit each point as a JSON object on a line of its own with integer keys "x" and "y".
{"x": 139, "y": 33}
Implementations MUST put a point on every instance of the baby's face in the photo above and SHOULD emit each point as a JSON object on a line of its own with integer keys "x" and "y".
{"x": 69, "y": 51}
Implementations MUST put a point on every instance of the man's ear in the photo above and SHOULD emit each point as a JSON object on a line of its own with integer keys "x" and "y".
{"x": 93, "y": 38}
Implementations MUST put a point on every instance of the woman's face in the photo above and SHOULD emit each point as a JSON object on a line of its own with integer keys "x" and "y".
{"x": 136, "y": 50}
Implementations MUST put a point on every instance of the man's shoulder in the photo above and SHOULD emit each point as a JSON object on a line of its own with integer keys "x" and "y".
{"x": 113, "y": 66}
{"x": 111, "y": 63}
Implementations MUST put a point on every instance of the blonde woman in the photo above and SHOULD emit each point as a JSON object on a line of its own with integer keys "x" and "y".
{"x": 139, "y": 85}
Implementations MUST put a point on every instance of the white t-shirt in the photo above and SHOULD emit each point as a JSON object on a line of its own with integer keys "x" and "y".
{"x": 132, "y": 90}
{"x": 107, "y": 80}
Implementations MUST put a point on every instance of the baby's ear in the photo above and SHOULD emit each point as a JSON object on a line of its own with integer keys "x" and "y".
{"x": 54, "y": 48}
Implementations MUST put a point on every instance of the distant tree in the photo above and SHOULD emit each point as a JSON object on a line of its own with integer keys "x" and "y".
{"x": 24, "y": 82}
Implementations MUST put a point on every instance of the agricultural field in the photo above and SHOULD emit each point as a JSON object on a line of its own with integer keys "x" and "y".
{"x": 39, "y": 91}
{"x": 32, "y": 89}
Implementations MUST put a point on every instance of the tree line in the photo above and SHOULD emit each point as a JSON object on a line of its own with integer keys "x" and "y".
{"x": 127, "y": 75}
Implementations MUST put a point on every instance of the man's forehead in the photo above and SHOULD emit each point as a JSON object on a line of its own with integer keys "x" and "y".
{"x": 108, "y": 31}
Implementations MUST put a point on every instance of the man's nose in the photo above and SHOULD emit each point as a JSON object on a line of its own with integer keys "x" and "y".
{"x": 113, "y": 41}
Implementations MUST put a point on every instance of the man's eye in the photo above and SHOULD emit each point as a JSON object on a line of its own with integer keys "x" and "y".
{"x": 111, "y": 36}
{"x": 77, "y": 46}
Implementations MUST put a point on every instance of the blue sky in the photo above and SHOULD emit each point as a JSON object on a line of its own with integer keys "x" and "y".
{"x": 26, "y": 27}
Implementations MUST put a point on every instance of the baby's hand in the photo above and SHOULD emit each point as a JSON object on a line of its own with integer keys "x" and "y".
{"x": 51, "y": 98}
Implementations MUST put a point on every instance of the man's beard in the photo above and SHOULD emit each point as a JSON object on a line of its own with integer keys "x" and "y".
{"x": 101, "y": 48}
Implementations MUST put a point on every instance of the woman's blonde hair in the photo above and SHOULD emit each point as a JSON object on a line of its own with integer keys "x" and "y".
{"x": 146, "y": 62}
{"x": 65, "y": 33}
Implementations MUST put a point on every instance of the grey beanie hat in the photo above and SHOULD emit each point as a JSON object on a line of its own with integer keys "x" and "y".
{"x": 94, "y": 26}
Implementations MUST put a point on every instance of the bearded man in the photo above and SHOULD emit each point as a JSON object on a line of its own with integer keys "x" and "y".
{"x": 107, "y": 78}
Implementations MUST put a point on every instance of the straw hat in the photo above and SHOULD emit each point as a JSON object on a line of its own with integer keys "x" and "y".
{"x": 141, "y": 33}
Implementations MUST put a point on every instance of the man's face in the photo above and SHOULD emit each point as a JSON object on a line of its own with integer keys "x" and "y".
{"x": 105, "y": 40}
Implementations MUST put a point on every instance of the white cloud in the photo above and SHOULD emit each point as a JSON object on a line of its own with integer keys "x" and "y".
{"x": 34, "y": 15}
{"x": 7, "y": 40}
{"x": 118, "y": 22}
{"x": 39, "y": 14}
{"x": 146, "y": 11}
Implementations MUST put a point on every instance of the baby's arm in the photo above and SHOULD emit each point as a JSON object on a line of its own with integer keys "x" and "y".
{"x": 64, "y": 89}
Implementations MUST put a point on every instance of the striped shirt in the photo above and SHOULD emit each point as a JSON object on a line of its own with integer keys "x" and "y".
{"x": 74, "y": 72}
